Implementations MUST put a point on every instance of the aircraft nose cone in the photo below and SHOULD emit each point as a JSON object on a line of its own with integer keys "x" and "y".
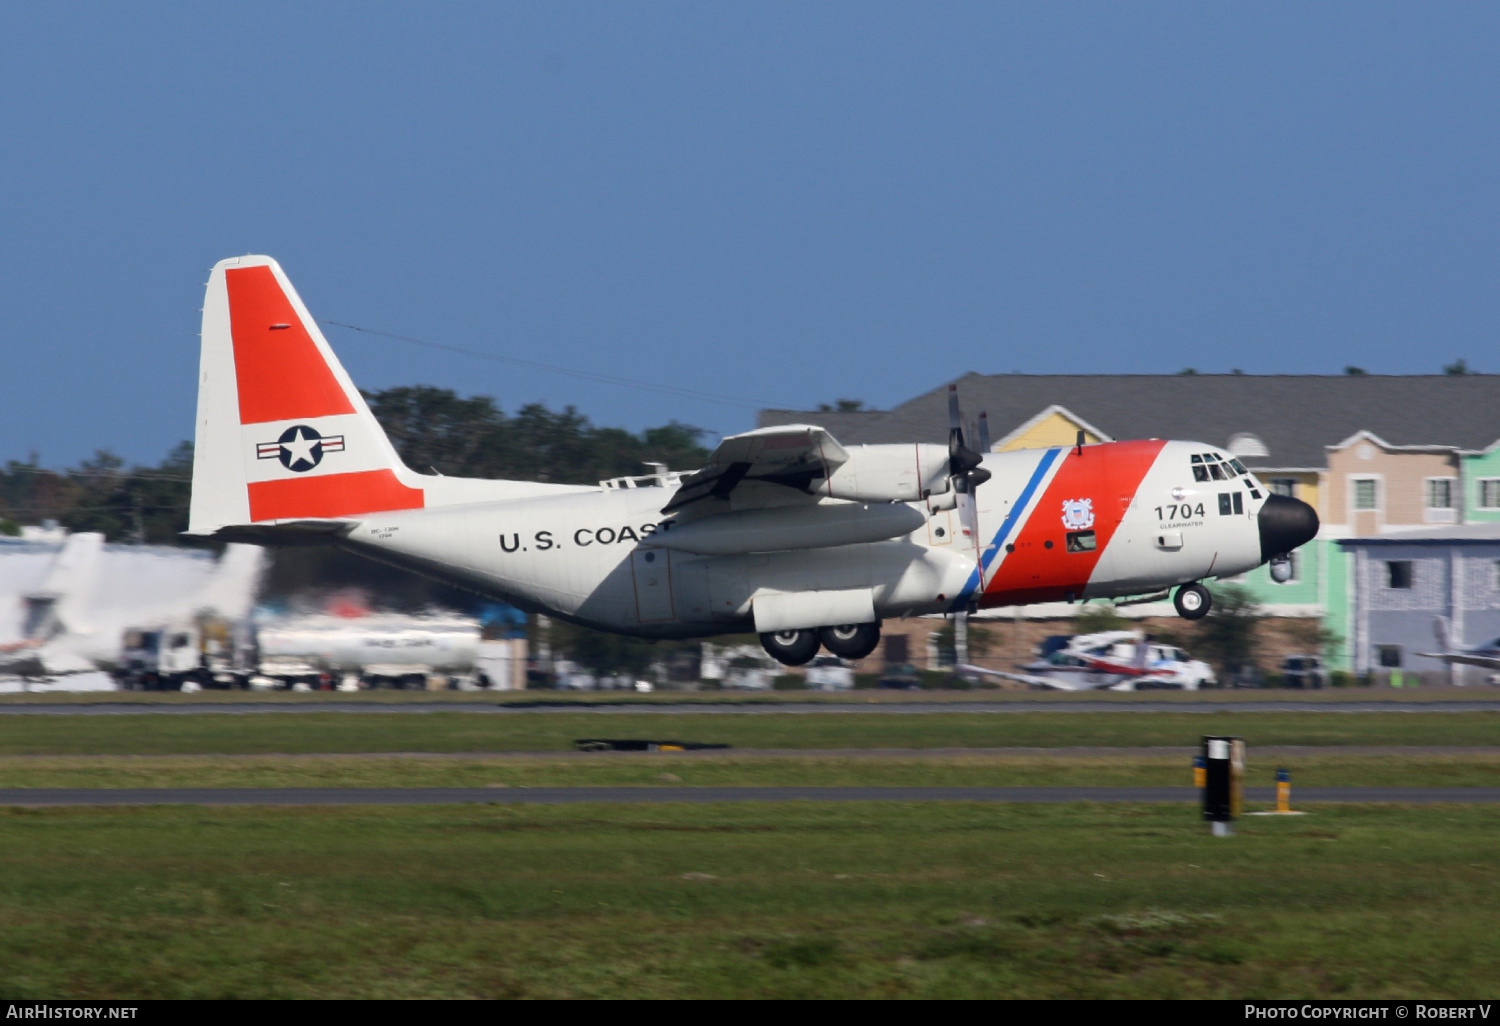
{"x": 1284, "y": 524}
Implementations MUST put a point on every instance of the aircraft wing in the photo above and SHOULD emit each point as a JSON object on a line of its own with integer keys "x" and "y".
{"x": 1488, "y": 662}
{"x": 793, "y": 455}
{"x": 1044, "y": 683}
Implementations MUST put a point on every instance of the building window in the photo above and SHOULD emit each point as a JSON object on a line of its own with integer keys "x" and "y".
{"x": 1388, "y": 655}
{"x": 1439, "y": 500}
{"x": 1398, "y": 573}
{"x": 1440, "y": 493}
{"x": 1489, "y": 493}
{"x": 1284, "y": 486}
{"x": 1364, "y": 493}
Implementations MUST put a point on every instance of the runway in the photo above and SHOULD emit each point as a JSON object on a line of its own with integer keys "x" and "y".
{"x": 307, "y": 796}
{"x": 724, "y": 709}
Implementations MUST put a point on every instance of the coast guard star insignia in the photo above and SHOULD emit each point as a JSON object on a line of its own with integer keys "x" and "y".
{"x": 300, "y": 448}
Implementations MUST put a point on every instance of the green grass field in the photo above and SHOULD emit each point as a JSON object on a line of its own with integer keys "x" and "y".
{"x": 1321, "y": 768}
{"x": 868, "y": 900}
{"x": 790, "y": 900}
{"x": 182, "y": 734}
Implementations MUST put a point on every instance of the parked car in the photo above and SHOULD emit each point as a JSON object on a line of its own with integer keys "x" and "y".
{"x": 829, "y": 673}
{"x": 1303, "y": 671}
{"x": 901, "y": 677}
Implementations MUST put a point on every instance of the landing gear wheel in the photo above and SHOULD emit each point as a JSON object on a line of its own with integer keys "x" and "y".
{"x": 851, "y": 640}
{"x": 1192, "y": 601}
{"x": 790, "y": 648}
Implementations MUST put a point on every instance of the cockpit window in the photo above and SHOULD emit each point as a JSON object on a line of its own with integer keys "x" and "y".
{"x": 1211, "y": 465}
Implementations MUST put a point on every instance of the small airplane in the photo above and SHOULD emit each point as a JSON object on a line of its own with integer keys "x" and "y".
{"x": 1485, "y": 655}
{"x": 72, "y": 622}
{"x": 56, "y": 615}
{"x": 785, "y": 532}
{"x": 1116, "y": 660}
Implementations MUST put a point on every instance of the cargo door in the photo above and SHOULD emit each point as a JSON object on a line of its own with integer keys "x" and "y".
{"x": 652, "y": 570}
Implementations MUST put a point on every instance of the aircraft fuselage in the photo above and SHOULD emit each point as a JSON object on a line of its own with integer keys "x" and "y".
{"x": 1058, "y": 524}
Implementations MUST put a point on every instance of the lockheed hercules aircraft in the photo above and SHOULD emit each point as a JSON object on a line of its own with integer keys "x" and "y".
{"x": 807, "y": 542}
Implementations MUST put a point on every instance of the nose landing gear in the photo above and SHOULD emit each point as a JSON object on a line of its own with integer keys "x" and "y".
{"x": 1192, "y": 601}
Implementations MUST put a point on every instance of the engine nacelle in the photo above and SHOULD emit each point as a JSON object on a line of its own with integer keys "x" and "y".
{"x": 888, "y": 473}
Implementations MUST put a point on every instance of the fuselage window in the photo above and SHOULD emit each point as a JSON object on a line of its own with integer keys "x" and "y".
{"x": 1081, "y": 541}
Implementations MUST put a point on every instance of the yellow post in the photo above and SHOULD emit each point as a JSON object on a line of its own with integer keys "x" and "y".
{"x": 1237, "y": 777}
{"x": 1283, "y": 790}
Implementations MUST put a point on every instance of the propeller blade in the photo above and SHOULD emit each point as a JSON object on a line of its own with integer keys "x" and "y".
{"x": 955, "y": 421}
{"x": 978, "y": 475}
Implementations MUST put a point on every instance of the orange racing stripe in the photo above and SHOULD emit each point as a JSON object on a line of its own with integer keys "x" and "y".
{"x": 1109, "y": 475}
{"x": 331, "y": 495}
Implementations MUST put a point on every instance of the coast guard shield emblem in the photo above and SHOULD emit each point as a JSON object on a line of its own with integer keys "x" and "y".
{"x": 1078, "y": 514}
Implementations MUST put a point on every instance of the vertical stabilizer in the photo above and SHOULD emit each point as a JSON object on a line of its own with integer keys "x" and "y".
{"x": 282, "y": 433}
{"x": 61, "y": 602}
{"x": 231, "y": 589}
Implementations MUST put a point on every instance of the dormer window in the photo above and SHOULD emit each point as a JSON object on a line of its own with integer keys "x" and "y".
{"x": 1247, "y": 445}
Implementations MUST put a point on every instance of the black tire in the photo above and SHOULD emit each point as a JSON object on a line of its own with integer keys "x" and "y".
{"x": 1192, "y": 601}
{"x": 851, "y": 640}
{"x": 790, "y": 648}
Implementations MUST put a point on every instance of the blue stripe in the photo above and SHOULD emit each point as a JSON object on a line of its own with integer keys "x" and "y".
{"x": 987, "y": 555}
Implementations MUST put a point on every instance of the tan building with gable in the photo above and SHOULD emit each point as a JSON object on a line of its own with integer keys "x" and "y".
{"x": 1374, "y": 487}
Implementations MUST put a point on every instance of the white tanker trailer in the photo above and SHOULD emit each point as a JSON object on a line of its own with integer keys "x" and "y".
{"x": 382, "y": 649}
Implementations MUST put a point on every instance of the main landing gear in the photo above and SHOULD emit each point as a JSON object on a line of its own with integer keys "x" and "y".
{"x": 1192, "y": 601}
{"x": 847, "y": 641}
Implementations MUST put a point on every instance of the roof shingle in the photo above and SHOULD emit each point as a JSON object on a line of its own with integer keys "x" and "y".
{"x": 1296, "y": 416}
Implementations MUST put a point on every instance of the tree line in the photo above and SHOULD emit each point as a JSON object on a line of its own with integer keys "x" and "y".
{"x": 434, "y": 429}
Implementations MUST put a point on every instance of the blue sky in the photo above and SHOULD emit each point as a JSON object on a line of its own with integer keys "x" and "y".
{"x": 782, "y": 203}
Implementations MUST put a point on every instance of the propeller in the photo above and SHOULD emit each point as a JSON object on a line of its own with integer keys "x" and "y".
{"x": 963, "y": 462}
{"x": 967, "y": 475}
